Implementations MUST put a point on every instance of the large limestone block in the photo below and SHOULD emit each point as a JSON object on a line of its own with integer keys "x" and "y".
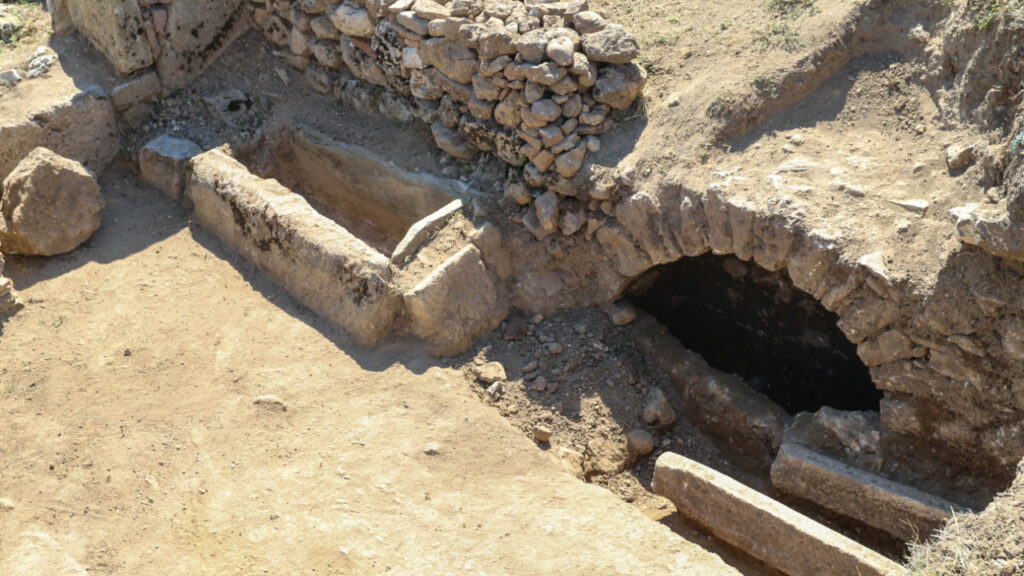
{"x": 321, "y": 263}
{"x": 455, "y": 304}
{"x": 762, "y": 527}
{"x": 116, "y": 29}
{"x": 196, "y": 33}
{"x": 163, "y": 162}
{"x": 50, "y": 205}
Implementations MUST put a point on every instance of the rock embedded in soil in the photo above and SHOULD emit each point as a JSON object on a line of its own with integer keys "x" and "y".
{"x": 495, "y": 390}
{"x": 270, "y": 401}
{"x": 490, "y": 372}
{"x": 640, "y": 442}
{"x": 658, "y": 410}
{"x": 50, "y": 205}
{"x": 959, "y": 156}
{"x": 618, "y": 86}
{"x": 605, "y": 457}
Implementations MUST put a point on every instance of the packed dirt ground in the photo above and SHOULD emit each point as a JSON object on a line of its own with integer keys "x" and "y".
{"x": 165, "y": 407}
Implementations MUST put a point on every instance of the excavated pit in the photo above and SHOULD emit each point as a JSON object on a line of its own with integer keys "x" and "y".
{"x": 324, "y": 218}
{"x": 370, "y": 197}
{"x": 754, "y": 323}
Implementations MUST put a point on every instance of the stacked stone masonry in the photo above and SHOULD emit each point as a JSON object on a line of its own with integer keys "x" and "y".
{"x": 949, "y": 359}
{"x": 534, "y": 83}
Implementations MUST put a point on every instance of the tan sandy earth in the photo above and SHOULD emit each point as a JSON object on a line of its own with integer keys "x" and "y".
{"x": 132, "y": 441}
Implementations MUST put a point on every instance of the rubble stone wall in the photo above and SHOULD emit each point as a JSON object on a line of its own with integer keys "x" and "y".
{"x": 950, "y": 359}
{"x": 534, "y": 83}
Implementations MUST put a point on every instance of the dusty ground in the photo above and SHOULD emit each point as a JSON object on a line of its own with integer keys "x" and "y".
{"x": 138, "y": 437}
{"x": 130, "y": 439}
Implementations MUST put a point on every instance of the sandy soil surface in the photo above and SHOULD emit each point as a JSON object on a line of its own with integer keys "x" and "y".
{"x": 132, "y": 440}
{"x": 167, "y": 410}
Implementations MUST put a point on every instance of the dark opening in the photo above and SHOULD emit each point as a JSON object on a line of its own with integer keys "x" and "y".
{"x": 754, "y": 323}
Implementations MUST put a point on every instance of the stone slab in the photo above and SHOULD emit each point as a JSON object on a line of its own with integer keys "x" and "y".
{"x": 364, "y": 185}
{"x": 322, "y": 264}
{"x": 163, "y": 163}
{"x": 761, "y": 526}
{"x": 421, "y": 230}
{"x": 900, "y": 510}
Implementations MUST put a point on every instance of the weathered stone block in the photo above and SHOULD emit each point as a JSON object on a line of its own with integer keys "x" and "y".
{"x": 455, "y": 304}
{"x": 163, "y": 163}
{"x": 197, "y": 32}
{"x": 322, "y": 264}
{"x": 50, "y": 205}
{"x": 115, "y": 28}
{"x": 760, "y": 526}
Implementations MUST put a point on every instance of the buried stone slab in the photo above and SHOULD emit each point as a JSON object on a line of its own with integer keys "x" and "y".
{"x": 760, "y": 526}
{"x": 421, "y": 230}
{"x": 904, "y": 512}
{"x": 321, "y": 263}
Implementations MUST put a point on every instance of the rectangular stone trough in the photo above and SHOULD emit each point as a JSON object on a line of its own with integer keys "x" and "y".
{"x": 324, "y": 222}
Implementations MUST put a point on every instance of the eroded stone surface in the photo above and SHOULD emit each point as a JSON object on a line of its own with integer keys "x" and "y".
{"x": 163, "y": 162}
{"x": 50, "y": 205}
{"x": 456, "y": 303}
{"x": 116, "y": 29}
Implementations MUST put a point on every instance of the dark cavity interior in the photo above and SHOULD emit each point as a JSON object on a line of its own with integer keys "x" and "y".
{"x": 754, "y": 323}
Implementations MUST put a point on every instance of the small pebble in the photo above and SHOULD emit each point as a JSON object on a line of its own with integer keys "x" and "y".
{"x": 530, "y": 367}
{"x": 539, "y": 385}
{"x": 495, "y": 390}
{"x": 555, "y": 348}
{"x": 623, "y": 313}
{"x": 6, "y": 505}
{"x": 541, "y": 434}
